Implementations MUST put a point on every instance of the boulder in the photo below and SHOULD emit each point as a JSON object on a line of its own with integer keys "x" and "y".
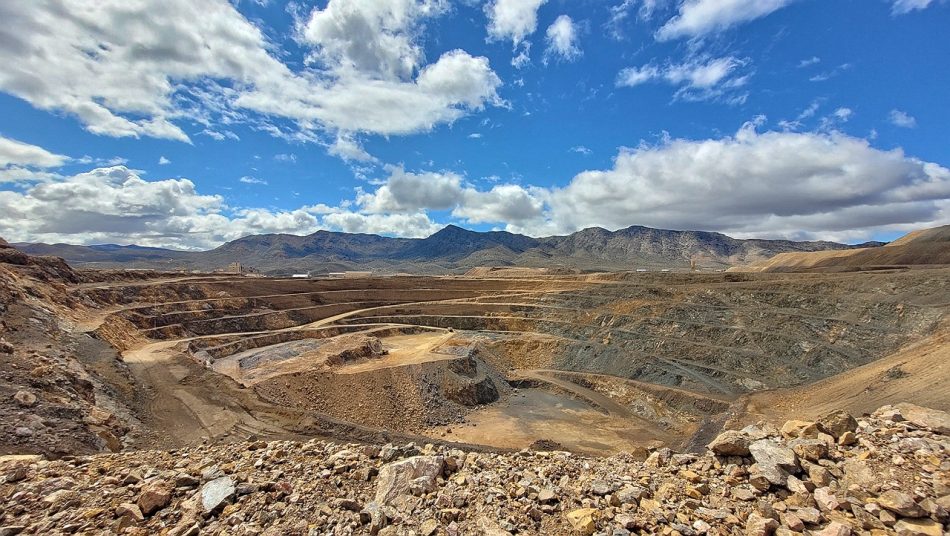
{"x": 838, "y": 423}
{"x": 730, "y": 443}
{"x": 129, "y": 510}
{"x": 399, "y": 477}
{"x": 582, "y": 520}
{"x": 921, "y": 417}
{"x": 900, "y": 503}
{"x": 155, "y": 496}
{"x": 826, "y": 500}
{"x": 547, "y": 495}
{"x": 833, "y": 529}
{"x": 215, "y": 493}
{"x": 918, "y": 527}
{"x": 757, "y": 525}
{"x": 373, "y": 516}
{"x": 775, "y": 461}
{"x": 809, "y": 449}
{"x": 803, "y": 429}
{"x": 25, "y": 399}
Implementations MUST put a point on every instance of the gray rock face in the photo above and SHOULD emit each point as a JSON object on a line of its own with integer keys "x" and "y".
{"x": 217, "y": 492}
{"x": 775, "y": 461}
{"x": 398, "y": 478}
{"x": 730, "y": 443}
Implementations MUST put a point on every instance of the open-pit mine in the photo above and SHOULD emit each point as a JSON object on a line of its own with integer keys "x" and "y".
{"x": 595, "y": 364}
{"x": 501, "y": 401}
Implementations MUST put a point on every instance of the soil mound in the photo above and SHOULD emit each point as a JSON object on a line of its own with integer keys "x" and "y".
{"x": 927, "y": 247}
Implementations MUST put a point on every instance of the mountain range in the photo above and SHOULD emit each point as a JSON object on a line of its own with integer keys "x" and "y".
{"x": 450, "y": 250}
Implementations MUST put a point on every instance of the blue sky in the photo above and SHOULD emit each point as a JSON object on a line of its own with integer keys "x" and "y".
{"x": 185, "y": 123}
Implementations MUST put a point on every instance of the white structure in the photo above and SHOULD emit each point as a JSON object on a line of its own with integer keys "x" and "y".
{"x": 300, "y": 276}
{"x": 349, "y": 275}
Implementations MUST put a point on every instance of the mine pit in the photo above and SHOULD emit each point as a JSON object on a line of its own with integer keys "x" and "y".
{"x": 597, "y": 364}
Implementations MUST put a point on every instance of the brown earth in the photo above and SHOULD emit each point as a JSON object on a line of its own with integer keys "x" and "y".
{"x": 927, "y": 248}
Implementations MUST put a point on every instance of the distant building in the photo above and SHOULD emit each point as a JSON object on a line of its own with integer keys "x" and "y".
{"x": 349, "y": 275}
{"x": 234, "y": 268}
{"x": 300, "y": 276}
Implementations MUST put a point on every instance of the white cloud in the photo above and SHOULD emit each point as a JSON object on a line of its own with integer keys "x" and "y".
{"x": 247, "y": 179}
{"x": 23, "y": 162}
{"x": 843, "y": 114}
{"x": 512, "y": 19}
{"x": 562, "y": 40}
{"x": 375, "y": 39}
{"x": 902, "y": 7}
{"x": 902, "y": 119}
{"x": 162, "y": 161}
{"x": 799, "y": 185}
{"x": 701, "y": 17}
{"x": 138, "y": 67}
{"x": 409, "y": 193}
{"x": 808, "y": 62}
{"x": 115, "y": 205}
{"x": 287, "y": 158}
{"x": 697, "y": 78}
{"x": 621, "y": 12}
{"x": 17, "y": 153}
{"x": 417, "y": 225}
{"x": 506, "y": 203}
{"x": 347, "y": 147}
{"x": 581, "y": 149}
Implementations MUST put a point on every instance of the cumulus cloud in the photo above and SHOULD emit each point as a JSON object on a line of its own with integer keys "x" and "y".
{"x": 162, "y": 161}
{"x": 512, "y": 19}
{"x": 406, "y": 192}
{"x": 902, "y": 119}
{"x": 415, "y": 225}
{"x": 701, "y": 17}
{"x": 799, "y": 185}
{"x": 115, "y": 205}
{"x": 562, "y": 40}
{"x": 376, "y": 39}
{"x": 139, "y": 67}
{"x": 902, "y": 7}
{"x": 23, "y": 162}
{"x": 697, "y": 78}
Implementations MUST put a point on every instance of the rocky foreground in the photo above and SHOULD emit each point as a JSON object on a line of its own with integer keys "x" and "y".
{"x": 884, "y": 474}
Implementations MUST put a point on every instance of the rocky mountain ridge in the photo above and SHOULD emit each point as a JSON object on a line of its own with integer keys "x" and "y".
{"x": 450, "y": 250}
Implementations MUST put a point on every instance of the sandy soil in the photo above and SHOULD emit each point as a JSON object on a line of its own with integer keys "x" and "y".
{"x": 534, "y": 414}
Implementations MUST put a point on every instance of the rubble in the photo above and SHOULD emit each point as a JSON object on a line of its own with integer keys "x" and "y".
{"x": 317, "y": 487}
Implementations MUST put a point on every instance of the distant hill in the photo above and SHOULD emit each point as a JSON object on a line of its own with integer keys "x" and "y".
{"x": 926, "y": 247}
{"x": 450, "y": 250}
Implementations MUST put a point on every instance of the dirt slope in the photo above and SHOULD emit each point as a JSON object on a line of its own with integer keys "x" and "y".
{"x": 917, "y": 372}
{"x": 924, "y": 247}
